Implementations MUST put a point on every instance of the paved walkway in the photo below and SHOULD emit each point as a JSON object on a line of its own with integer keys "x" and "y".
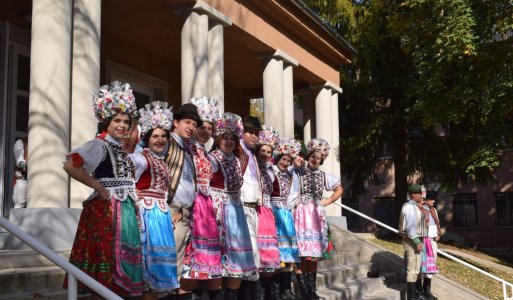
{"x": 478, "y": 260}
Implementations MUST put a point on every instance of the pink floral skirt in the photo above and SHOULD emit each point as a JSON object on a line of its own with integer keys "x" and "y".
{"x": 267, "y": 240}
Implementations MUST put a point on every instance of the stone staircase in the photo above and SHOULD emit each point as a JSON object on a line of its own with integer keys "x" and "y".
{"x": 358, "y": 270}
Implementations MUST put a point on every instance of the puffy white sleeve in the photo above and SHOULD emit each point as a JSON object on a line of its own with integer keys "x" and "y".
{"x": 332, "y": 182}
{"x": 92, "y": 152}
{"x": 294, "y": 190}
{"x": 140, "y": 164}
{"x": 213, "y": 161}
{"x": 19, "y": 152}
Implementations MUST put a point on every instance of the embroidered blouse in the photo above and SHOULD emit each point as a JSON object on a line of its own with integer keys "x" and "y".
{"x": 110, "y": 164}
{"x": 312, "y": 184}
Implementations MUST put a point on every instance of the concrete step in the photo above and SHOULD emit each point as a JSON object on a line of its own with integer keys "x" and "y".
{"x": 54, "y": 296}
{"x": 352, "y": 289}
{"x": 27, "y": 282}
{"x": 340, "y": 258}
{"x": 24, "y": 258}
{"x": 391, "y": 292}
{"x": 341, "y": 273}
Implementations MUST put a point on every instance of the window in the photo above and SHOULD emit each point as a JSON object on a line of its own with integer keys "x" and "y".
{"x": 353, "y": 221}
{"x": 384, "y": 210}
{"x": 464, "y": 208}
{"x": 504, "y": 209}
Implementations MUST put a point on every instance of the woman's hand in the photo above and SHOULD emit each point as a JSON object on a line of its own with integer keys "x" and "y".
{"x": 104, "y": 194}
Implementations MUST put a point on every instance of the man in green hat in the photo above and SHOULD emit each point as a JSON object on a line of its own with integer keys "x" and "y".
{"x": 410, "y": 230}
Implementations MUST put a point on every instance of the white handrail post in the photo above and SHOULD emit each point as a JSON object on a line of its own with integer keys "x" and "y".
{"x": 507, "y": 296}
{"x": 72, "y": 287}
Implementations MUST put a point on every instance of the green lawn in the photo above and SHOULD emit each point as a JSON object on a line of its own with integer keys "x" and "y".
{"x": 467, "y": 277}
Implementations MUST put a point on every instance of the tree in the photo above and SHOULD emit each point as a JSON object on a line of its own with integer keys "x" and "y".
{"x": 432, "y": 81}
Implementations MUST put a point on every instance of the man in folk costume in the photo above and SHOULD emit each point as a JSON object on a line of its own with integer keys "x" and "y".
{"x": 411, "y": 231}
{"x": 251, "y": 195}
{"x": 19, "y": 194}
{"x": 431, "y": 234}
{"x": 182, "y": 187}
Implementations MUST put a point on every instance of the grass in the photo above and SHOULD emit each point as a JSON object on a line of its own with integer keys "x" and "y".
{"x": 467, "y": 277}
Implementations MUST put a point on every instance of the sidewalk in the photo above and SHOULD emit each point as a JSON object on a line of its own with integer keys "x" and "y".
{"x": 478, "y": 260}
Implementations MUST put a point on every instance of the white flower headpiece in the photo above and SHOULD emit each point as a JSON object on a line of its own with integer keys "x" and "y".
{"x": 208, "y": 109}
{"x": 230, "y": 123}
{"x": 288, "y": 146}
{"x": 320, "y": 145}
{"x": 113, "y": 99}
{"x": 158, "y": 117}
{"x": 268, "y": 136}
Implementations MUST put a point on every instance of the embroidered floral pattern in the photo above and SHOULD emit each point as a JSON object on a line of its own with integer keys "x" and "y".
{"x": 231, "y": 170}
{"x": 203, "y": 168}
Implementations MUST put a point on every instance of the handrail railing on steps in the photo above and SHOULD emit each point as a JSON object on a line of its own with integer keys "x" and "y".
{"x": 505, "y": 284}
{"x": 74, "y": 273}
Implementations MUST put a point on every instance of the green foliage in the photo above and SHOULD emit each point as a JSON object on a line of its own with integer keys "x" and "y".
{"x": 432, "y": 81}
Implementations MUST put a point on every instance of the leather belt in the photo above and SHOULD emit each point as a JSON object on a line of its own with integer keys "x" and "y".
{"x": 251, "y": 204}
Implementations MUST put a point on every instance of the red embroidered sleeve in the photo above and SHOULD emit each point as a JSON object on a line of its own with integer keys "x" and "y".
{"x": 77, "y": 160}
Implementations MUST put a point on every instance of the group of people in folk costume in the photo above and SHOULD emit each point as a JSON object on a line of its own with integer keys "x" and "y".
{"x": 172, "y": 219}
{"x": 419, "y": 227}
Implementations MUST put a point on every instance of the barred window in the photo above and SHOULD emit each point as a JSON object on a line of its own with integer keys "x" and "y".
{"x": 464, "y": 208}
{"x": 504, "y": 209}
{"x": 353, "y": 220}
{"x": 384, "y": 210}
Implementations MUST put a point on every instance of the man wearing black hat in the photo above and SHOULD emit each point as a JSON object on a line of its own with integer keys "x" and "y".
{"x": 183, "y": 178}
{"x": 251, "y": 196}
{"x": 432, "y": 234}
{"x": 411, "y": 231}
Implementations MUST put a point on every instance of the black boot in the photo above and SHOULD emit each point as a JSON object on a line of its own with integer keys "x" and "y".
{"x": 230, "y": 294}
{"x": 301, "y": 283}
{"x": 247, "y": 290}
{"x": 186, "y": 296}
{"x": 418, "y": 287}
{"x": 270, "y": 288}
{"x": 196, "y": 294}
{"x": 285, "y": 291}
{"x": 215, "y": 294}
{"x": 311, "y": 283}
{"x": 427, "y": 289}
{"x": 412, "y": 292}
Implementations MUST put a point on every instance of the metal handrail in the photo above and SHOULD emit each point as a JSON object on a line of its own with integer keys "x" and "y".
{"x": 505, "y": 284}
{"x": 74, "y": 273}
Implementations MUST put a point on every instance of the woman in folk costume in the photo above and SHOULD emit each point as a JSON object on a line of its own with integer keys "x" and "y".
{"x": 431, "y": 233}
{"x": 267, "y": 237}
{"x": 203, "y": 253}
{"x": 283, "y": 197}
{"x": 225, "y": 186}
{"x": 152, "y": 181}
{"x": 310, "y": 217}
{"x": 107, "y": 244}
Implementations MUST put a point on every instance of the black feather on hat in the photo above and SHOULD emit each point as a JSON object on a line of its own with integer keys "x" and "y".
{"x": 431, "y": 195}
{"x": 188, "y": 111}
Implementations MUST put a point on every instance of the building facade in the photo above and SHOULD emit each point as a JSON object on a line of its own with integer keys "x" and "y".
{"x": 55, "y": 53}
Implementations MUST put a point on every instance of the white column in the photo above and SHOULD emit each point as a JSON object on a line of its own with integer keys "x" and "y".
{"x": 288, "y": 102}
{"x": 336, "y": 138}
{"x": 86, "y": 80}
{"x": 308, "y": 117}
{"x": 49, "y": 107}
{"x": 273, "y": 94}
{"x": 216, "y": 62}
{"x": 194, "y": 56}
{"x": 323, "y": 122}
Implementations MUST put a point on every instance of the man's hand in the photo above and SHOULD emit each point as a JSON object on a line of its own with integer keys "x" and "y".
{"x": 420, "y": 247}
{"x": 177, "y": 217}
{"x": 437, "y": 238}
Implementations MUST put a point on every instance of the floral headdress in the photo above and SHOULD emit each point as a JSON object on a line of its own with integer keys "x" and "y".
{"x": 208, "y": 109}
{"x": 268, "y": 136}
{"x": 288, "y": 146}
{"x": 320, "y": 145}
{"x": 113, "y": 99}
{"x": 230, "y": 123}
{"x": 158, "y": 117}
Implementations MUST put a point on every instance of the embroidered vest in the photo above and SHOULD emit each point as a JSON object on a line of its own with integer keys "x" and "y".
{"x": 153, "y": 184}
{"x": 116, "y": 172}
{"x": 229, "y": 173}
{"x": 312, "y": 185}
